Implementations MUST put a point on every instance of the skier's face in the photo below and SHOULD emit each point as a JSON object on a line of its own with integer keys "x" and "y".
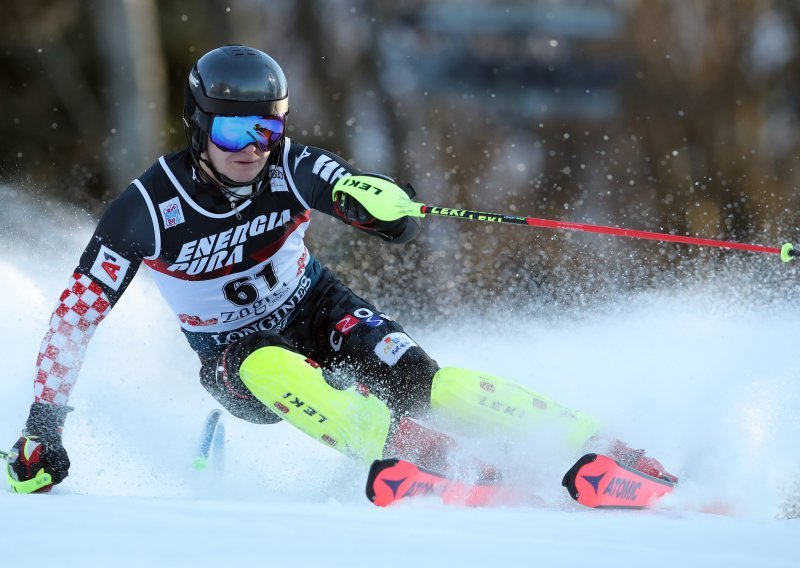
{"x": 240, "y": 166}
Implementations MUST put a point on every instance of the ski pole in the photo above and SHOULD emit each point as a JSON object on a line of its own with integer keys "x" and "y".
{"x": 388, "y": 202}
{"x": 786, "y": 252}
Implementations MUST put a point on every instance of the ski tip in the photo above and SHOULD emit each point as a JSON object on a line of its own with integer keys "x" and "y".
{"x": 569, "y": 480}
{"x": 377, "y": 467}
{"x": 601, "y": 482}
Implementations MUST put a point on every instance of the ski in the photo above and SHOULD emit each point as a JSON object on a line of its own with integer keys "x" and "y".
{"x": 595, "y": 481}
{"x": 392, "y": 480}
{"x": 601, "y": 482}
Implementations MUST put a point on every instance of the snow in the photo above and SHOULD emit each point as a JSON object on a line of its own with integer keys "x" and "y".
{"x": 697, "y": 375}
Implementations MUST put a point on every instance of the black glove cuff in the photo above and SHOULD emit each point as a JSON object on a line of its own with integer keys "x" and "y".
{"x": 46, "y": 421}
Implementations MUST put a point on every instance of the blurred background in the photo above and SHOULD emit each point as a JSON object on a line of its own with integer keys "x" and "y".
{"x": 661, "y": 115}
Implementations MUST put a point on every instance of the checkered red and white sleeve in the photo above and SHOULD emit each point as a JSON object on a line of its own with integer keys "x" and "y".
{"x": 82, "y": 306}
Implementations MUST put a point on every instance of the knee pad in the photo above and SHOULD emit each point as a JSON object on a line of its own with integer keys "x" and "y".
{"x": 488, "y": 402}
{"x": 291, "y": 385}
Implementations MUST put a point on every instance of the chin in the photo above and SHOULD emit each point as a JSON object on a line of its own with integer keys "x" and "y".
{"x": 243, "y": 176}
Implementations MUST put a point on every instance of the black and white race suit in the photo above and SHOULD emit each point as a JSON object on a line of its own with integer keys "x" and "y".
{"x": 226, "y": 269}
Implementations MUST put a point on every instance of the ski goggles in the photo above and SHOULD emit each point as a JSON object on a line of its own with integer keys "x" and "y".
{"x": 235, "y": 133}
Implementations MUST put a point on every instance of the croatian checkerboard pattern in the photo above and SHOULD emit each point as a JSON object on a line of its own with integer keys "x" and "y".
{"x": 81, "y": 307}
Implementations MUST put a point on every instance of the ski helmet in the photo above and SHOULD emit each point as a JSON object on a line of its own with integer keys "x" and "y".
{"x": 234, "y": 80}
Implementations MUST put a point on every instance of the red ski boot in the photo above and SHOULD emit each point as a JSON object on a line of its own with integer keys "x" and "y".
{"x": 637, "y": 459}
{"x": 434, "y": 450}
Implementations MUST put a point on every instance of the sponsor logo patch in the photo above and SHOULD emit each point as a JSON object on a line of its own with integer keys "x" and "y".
{"x": 301, "y": 263}
{"x": 328, "y": 169}
{"x": 226, "y": 248}
{"x": 419, "y": 489}
{"x": 345, "y": 325}
{"x": 277, "y": 181}
{"x": 304, "y": 154}
{"x": 623, "y": 488}
{"x": 392, "y": 347}
{"x": 171, "y": 212}
{"x": 196, "y": 321}
{"x": 110, "y": 268}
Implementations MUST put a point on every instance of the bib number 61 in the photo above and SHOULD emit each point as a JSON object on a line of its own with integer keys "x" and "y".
{"x": 242, "y": 291}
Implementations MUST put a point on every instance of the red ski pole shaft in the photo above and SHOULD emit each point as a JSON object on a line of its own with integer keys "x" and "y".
{"x": 786, "y": 252}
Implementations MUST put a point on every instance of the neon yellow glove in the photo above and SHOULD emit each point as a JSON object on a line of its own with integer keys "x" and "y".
{"x": 381, "y": 198}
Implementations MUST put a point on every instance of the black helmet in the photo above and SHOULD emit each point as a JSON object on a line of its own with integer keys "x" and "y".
{"x": 233, "y": 80}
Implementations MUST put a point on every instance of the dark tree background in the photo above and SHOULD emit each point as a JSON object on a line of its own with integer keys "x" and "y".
{"x": 663, "y": 115}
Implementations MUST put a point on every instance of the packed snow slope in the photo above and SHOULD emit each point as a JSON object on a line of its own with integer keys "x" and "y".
{"x": 698, "y": 375}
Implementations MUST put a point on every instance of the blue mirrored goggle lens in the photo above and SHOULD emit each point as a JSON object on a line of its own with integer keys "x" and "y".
{"x": 235, "y": 133}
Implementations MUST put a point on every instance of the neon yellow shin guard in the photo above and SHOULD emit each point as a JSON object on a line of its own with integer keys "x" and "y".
{"x": 288, "y": 384}
{"x": 488, "y": 402}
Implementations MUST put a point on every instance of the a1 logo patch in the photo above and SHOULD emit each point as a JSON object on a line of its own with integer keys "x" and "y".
{"x": 110, "y": 268}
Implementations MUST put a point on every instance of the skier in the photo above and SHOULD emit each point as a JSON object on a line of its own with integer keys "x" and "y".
{"x": 220, "y": 226}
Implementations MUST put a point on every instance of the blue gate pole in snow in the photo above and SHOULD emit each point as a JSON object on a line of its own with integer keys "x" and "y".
{"x": 211, "y": 449}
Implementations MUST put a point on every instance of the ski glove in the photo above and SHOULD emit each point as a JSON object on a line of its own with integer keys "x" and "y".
{"x": 364, "y": 208}
{"x": 38, "y": 459}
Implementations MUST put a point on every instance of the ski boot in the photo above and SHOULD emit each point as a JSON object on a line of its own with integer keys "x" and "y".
{"x": 436, "y": 451}
{"x": 638, "y": 460}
